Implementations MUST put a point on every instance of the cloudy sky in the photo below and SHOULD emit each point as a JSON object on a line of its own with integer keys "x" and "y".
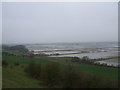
{"x": 59, "y": 22}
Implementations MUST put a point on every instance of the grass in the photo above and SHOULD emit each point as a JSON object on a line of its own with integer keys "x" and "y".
{"x": 42, "y": 59}
{"x": 16, "y": 78}
{"x": 106, "y": 72}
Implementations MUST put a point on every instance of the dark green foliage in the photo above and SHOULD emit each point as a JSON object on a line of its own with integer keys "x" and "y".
{"x": 30, "y": 69}
{"x": 7, "y": 54}
{"x": 16, "y": 63}
{"x": 22, "y": 66}
{"x": 84, "y": 59}
{"x": 33, "y": 70}
{"x": 51, "y": 74}
{"x": 4, "y": 63}
{"x": 31, "y": 55}
{"x": 37, "y": 72}
{"x": 11, "y": 67}
{"x": 75, "y": 59}
{"x": 87, "y": 60}
{"x": 70, "y": 78}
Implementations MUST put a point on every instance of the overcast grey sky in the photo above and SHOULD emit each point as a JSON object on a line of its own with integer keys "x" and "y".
{"x": 59, "y": 22}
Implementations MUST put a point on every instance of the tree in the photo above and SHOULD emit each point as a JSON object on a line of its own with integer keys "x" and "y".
{"x": 85, "y": 58}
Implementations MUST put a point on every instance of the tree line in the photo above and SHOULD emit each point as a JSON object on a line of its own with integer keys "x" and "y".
{"x": 19, "y": 48}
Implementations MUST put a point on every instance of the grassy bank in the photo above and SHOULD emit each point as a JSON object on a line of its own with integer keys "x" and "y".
{"x": 15, "y": 77}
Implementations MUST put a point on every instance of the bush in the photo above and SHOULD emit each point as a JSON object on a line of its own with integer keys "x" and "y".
{"x": 51, "y": 74}
{"x": 33, "y": 70}
{"x": 70, "y": 78}
{"x": 31, "y": 55}
{"x": 37, "y": 72}
{"x": 17, "y": 64}
{"x": 75, "y": 59}
{"x": 85, "y": 58}
{"x": 4, "y": 63}
{"x": 11, "y": 67}
{"x": 22, "y": 66}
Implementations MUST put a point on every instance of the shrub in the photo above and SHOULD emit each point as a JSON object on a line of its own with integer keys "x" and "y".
{"x": 4, "y": 63}
{"x": 31, "y": 55}
{"x": 70, "y": 78}
{"x": 51, "y": 74}
{"x": 22, "y": 66}
{"x": 85, "y": 58}
{"x": 33, "y": 70}
{"x": 75, "y": 59}
{"x": 11, "y": 66}
{"x": 17, "y": 64}
{"x": 37, "y": 72}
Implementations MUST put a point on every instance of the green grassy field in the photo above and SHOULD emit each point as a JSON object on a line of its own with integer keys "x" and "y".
{"x": 106, "y": 72}
{"x": 14, "y": 76}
